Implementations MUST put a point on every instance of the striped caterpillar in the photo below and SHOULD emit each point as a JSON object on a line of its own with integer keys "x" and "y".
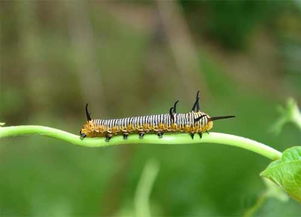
{"x": 191, "y": 122}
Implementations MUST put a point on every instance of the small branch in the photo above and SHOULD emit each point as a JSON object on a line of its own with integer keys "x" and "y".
{"x": 144, "y": 188}
{"x": 258, "y": 204}
{"x": 168, "y": 139}
{"x": 271, "y": 191}
{"x": 289, "y": 113}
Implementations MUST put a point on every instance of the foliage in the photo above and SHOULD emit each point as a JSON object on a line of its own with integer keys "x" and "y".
{"x": 288, "y": 114}
{"x": 116, "y": 57}
{"x": 286, "y": 172}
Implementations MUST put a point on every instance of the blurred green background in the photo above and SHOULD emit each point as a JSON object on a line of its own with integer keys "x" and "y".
{"x": 130, "y": 58}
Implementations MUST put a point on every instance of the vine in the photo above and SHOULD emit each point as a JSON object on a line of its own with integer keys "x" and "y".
{"x": 168, "y": 139}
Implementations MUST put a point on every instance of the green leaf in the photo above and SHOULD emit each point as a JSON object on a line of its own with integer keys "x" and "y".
{"x": 286, "y": 172}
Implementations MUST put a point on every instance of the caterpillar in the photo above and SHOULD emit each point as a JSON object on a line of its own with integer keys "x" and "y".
{"x": 192, "y": 122}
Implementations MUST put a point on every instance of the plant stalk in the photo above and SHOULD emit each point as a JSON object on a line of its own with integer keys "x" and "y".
{"x": 168, "y": 139}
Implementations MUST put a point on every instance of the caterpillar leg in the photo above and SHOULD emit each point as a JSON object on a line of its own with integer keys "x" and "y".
{"x": 141, "y": 134}
{"x": 160, "y": 134}
{"x": 108, "y": 137}
{"x": 201, "y": 135}
{"x": 192, "y": 135}
{"x": 82, "y": 135}
{"x": 125, "y": 135}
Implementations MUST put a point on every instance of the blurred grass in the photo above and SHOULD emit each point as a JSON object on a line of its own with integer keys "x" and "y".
{"x": 138, "y": 78}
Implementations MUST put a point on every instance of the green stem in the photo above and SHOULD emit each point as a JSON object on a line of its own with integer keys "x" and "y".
{"x": 168, "y": 139}
{"x": 297, "y": 119}
{"x": 259, "y": 203}
{"x": 144, "y": 188}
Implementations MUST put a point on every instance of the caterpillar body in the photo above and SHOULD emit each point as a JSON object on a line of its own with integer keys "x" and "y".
{"x": 191, "y": 122}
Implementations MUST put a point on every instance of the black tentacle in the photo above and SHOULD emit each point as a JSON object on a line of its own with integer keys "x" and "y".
{"x": 199, "y": 118}
{"x": 175, "y": 106}
{"x": 196, "y": 105}
{"x": 172, "y": 111}
{"x": 221, "y": 117}
{"x": 88, "y": 113}
{"x": 171, "y": 114}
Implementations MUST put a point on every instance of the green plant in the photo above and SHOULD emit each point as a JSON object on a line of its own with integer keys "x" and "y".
{"x": 285, "y": 170}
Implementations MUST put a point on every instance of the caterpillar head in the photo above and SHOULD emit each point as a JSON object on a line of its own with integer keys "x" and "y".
{"x": 87, "y": 129}
{"x": 204, "y": 122}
